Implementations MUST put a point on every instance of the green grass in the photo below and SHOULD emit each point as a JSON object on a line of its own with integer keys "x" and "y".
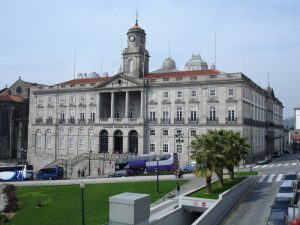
{"x": 215, "y": 189}
{"x": 243, "y": 173}
{"x": 62, "y": 204}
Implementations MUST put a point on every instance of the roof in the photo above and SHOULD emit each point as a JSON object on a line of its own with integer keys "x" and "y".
{"x": 5, "y": 96}
{"x": 182, "y": 73}
{"x": 86, "y": 81}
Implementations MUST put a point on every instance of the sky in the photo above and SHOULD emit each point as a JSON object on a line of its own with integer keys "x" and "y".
{"x": 258, "y": 37}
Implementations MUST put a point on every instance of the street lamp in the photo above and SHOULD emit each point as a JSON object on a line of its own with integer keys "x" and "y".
{"x": 157, "y": 172}
{"x": 179, "y": 140}
{"x": 82, "y": 201}
{"x": 90, "y": 162}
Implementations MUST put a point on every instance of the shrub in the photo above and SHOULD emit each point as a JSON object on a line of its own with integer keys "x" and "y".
{"x": 12, "y": 200}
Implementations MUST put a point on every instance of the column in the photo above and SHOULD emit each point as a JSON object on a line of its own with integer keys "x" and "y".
{"x": 126, "y": 104}
{"x": 142, "y": 104}
{"x": 112, "y": 105}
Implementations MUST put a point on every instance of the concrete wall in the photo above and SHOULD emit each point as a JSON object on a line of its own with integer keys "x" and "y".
{"x": 178, "y": 216}
{"x": 227, "y": 200}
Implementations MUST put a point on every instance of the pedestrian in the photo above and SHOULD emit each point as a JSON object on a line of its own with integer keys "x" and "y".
{"x": 82, "y": 173}
{"x": 99, "y": 171}
{"x": 79, "y": 173}
{"x": 178, "y": 189}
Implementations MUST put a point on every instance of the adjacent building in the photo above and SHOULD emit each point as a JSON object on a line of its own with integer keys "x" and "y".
{"x": 139, "y": 112}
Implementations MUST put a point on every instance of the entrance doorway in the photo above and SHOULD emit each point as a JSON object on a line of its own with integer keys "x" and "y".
{"x": 118, "y": 142}
{"x": 133, "y": 142}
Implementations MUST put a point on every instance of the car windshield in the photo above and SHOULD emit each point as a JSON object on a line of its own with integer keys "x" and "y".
{"x": 281, "y": 205}
{"x": 290, "y": 177}
{"x": 286, "y": 190}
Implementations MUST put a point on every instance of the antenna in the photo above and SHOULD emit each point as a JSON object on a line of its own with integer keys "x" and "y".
{"x": 215, "y": 49}
{"x": 169, "y": 48}
{"x": 136, "y": 17}
{"x": 75, "y": 64}
{"x": 244, "y": 65}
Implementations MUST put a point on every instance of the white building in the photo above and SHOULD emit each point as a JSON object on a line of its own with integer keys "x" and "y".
{"x": 140, "y": 112}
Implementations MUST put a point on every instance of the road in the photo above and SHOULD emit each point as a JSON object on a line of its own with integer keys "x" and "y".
{"x": 255, "y": 207}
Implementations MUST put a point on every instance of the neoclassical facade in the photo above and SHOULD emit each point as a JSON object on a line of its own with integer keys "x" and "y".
{"x": 138, "y": 112}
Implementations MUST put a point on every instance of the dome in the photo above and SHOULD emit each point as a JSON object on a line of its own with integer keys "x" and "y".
{"x": 196, "y": 63}
{"x": 169, "y": 63}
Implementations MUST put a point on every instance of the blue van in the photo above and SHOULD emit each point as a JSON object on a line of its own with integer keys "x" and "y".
{"x": 52, "y": 173}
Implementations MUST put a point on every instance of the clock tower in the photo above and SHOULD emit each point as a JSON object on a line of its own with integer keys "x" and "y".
{"x": 135, "y": 56}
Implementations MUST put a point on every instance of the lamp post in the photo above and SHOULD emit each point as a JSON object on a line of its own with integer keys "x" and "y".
{"x": 82, "y": 201}
{"x": 157, "y": 172}
{"x": 179, "y": 140}
{"x": 90, "y": 162}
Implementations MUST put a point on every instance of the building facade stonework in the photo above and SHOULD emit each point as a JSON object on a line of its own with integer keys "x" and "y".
{"x": 139, "y": 112}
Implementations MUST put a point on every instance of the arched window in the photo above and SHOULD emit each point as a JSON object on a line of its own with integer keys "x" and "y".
{"x": 133, "y": 142}
{"x": 103, "y": 146}
{"x": 19, "y": 90}
{"x": 118, "y": 142}
{"x": 179, "y": 114}
{"x": 48, "y": 139}
{"x": 38, "y": 135}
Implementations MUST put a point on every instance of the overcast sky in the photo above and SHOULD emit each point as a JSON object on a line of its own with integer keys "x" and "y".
{"x": 38, "y": 38}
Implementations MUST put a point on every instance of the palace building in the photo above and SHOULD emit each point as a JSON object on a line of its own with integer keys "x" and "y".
{"x": 139, "y": 112}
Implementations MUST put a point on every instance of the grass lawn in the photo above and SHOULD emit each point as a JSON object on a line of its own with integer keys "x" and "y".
{"x": 62, "y": 204}
{"x": 243, "y": 173}
{"x": 216, "y": 190}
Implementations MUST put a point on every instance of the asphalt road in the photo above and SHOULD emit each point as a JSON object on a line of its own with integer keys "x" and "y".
{"x": 255, "y": 207}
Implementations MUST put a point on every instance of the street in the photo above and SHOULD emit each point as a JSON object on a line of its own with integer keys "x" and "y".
{"x": 255, "y": 207}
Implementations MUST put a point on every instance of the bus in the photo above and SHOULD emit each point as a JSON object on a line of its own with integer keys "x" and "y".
{"x": 138, "y": 164}
{"x": 16, "y": 173}
{"x": 52, "y": 173}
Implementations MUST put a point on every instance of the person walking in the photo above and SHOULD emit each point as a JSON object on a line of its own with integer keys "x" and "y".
{"x": 178, "y": 189}
{"x": 79, "y": 173}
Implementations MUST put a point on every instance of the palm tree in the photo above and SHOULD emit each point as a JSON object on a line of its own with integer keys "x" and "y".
{"x": 204, "y": 157}
{"x": 235, "y": 150}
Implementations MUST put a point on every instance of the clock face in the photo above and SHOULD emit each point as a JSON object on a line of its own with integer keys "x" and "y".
{"x": 131, "y": 38}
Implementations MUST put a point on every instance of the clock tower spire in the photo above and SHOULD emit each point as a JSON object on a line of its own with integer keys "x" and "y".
{"x": 135, "y": 56}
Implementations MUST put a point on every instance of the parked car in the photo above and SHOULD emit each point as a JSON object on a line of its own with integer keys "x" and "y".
{"x": 288, "y": 189}
{"x": 119, "y": 173}
{"x": 263, "y": 161}
{"x": 278, "y": 218}
{"x": 292, "y": 176}
{"x": 189, "y": 168}
{"x": 52, "y": 173}
{"x": 276, "y": 155}
{"x": 281, "y": 204}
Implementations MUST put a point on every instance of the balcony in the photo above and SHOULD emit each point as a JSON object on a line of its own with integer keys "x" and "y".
{"x": 91, "y": 121}
{"x": 231, "y": 120}
{"x": 39, "y": 120}
{"x": 178, "y": 120}
{"x": 81, "y": 121}
{"x": 71, "y": 121}
{"x": 61, "y": 120}
{"x": 213, "y": 120}
{"x": 165, "y": 120}
{"x": 152, "y": 121}
{"x": 193, "y": 120}
{"x": 49, "y": 120}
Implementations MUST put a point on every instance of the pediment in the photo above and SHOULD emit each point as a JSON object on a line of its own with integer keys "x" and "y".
{"x": 120, "y": 81}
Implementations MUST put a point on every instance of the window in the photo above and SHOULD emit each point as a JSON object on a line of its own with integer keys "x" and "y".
{"x": 72, "y": 116}
{"x": 61, "y": 131}
{"x": 81, "y": 143}
{"x": 166, "y": 95}
{"x": 212, "y": 114}
{"x": 230, "y": 92}
{"x": 71, "y": 143}
{"x": 62, "y": 99}
{"x": 92, "y": 144}
{"x": 82, "y": 98}
{"x": 71, "y": 131}
{"x": 81, "y": 131}
{"x": 166, "y": 147}
{"x": 179, "y": 132}
{"x": 117, "y": 114}
{"x": 193, "y": 93}
{"x": 130, "y": 114}
{"x": 179, "y": 94}
{"x": 72, "y": 99}
{"x": 193, "y": 115}
{"x": 152, "y": 116}
{"x": 91, "y": 131}
{"x": 62, "y": 115}
{"x": 165, "y": 79}
{"x": 165, "y": 115}
{"x": 179, "y": 114}
{"x": 130, "y": 65}
{"x": 19, "y": 90}
{"x": 152, "y": 147}
{"x": 93, "y": 115}
{"x": 179, "y": 148}
{"x": 40, "y": 100}
{"x": 231, "y": 114}
{"x": 61, "y": 142}
{"x": 50, "y": 100}
{"x": 48, "y": 139}
{"x": 212, "y": 92}
{"x": 93, "y": 98}
{"x": 152, "y": 132}
{"x": 194, "y": 78}
{"x": 179, "y": 78}
{"x": 152, "y": 80}
{"x": 82, "y": 116}
{"x": 193, "y": 132}
{"x": 165, "y": 132}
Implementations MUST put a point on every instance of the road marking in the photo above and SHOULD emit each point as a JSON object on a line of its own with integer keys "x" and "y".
{"x": 272, "y": 165}
{"x": 262, "y": 178}
{"x": 255, "y": 167}
{"x": 279, "y": 177}
{"x": 270, "y": 178}
{"x": 264, "y": 166}
{"x": 293, "y": 164}
{"x": 286, "y": 164}
{"x": 279, "y": 165}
